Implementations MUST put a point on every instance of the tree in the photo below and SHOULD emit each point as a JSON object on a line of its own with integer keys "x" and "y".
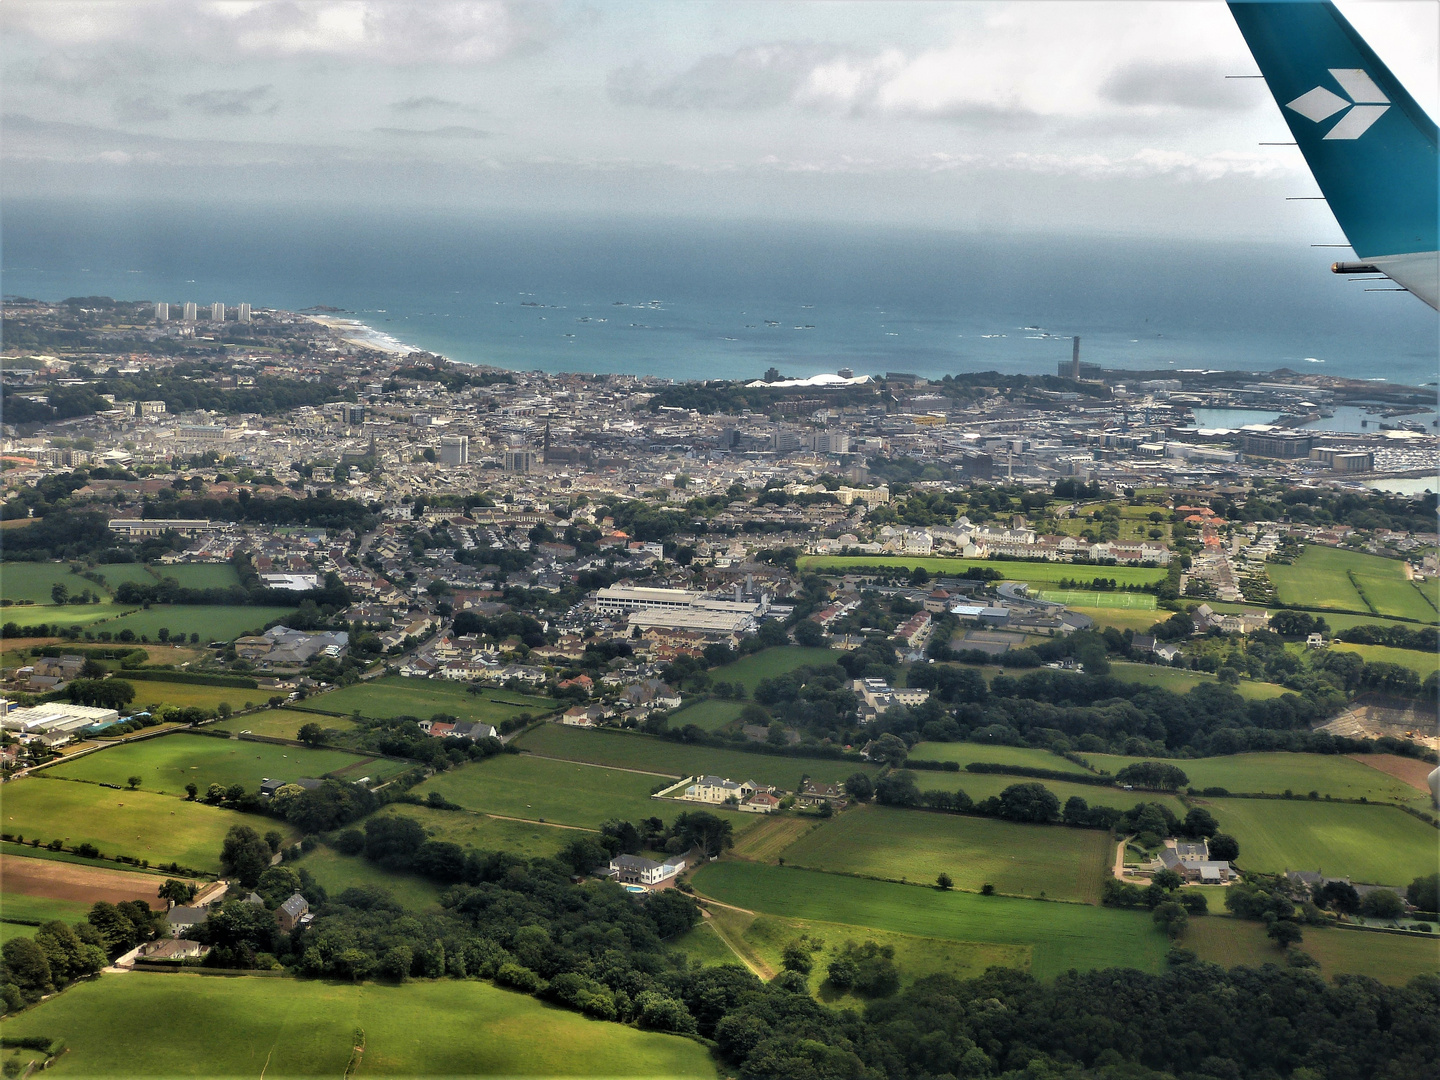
{"x": 860, "y": 787}
{"x": 890, "y": 749}
{"x": 133, "y": 782}
{"x": 245, "y": 855}
{"x": 1224, "y": 847}
{"x": 1029, "y": 802}
{"x": 796, "y": 957}
{"x": 191, "y": 791}
{"x": 224, "y": 709}
{"x": 311, "y": 734}
{"x": 1200, "y": 822}
{"x": 702, "y": 829}
{"x": 25, "y": 965}
{"x": 945, "y": 882}
{"x": 897, "y": 789}
{"x": 393, "y": 841}
{"x": 1338, "y": 896}
{"x": 177, "y": 892}
{"x": 1424, "y": 892}
{"x": 1285, "y": 933}
{"x": 273, "y": 839}
{"x": 276, "y": 885}
{"x": 1156, "y": 775}
{"x": 1172, "y": 918}
{"x": 59, "y": 593}
{"x": 1382, "y": 904}
{"x": 809, "y": 633}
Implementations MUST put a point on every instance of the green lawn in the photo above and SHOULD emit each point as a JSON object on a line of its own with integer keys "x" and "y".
{"x": 151, "y": 692}
{"x": 1120, "y": 618}
{"x": 541, "y": 790}
{"x": 280, "y": 723}
{"x": 139, "y": 824}
{"x": 712, "y": 714}
{"x": 198, "y": 575}
{"x": 339, "y": 872}
{"x": 213, "y": 622}
{"x": 1036, "y": 572}
{"x": 768, "y": 663}
{"x": 83, "y": 615}
{"x": 966, "y": 752}
{"x": 168, "y": 763}
{"x": 33, "y": 581}
{"x": 25, "y": 851}
{"x": 912, "y": 845}
{"x": 649, "y": 752}
{"x": 982, "y": 785}
{"x": 288, "y": 1027}
{"x": 1423, "y": 664}
{"x": 1182, "y": 682}
{"x": 1333, "y": 577}
{"x": 396, "y": 695}
{"x": 1092, "y": 598}
{"x": 1329, "y": 774}
{"x": 41, "y": 909}
{"x": 1060, "y": 936}
{"x": 1388, "y": 958}
{"x": 1373, "y": 844}
{"x": 526, "y": 838}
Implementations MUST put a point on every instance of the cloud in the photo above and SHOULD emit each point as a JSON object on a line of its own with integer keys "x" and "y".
{"x": 382, "y": 31}
{"x": 428, "y": 102}
{"x": 755, "y": 77}
{"x": 257, "y": 99}
{"x": 142, "y": 109}
{"x": 454, "y": 131}
{"x": 1196, "y": 85}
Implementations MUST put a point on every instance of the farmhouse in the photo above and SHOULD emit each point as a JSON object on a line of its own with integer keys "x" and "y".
{"x": 172, "y": 949}
{"x": 180, "y": 919}
{"x": 1191, "y": 860}
{"x": 293, "y": 912}
{"x": 637, "y": 870}
{"x": 713, "y": 789}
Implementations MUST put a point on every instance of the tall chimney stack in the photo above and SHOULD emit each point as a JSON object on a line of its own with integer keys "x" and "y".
{"x": 1075, "y": 358}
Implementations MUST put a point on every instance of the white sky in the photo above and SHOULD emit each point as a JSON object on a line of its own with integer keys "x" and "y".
{"x": 1062, "y": 115}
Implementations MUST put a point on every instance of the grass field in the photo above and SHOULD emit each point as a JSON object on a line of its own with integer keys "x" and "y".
{"x": 1352, "y": 580}
{"x": 1374, "y": 844}
{"x": 761, "y": 940}
{"x": 711, "y": 714}
{"x": 767, "y": 841}
{"x": 422, "y": 698}
{"x": 1273, "y": 774}
{"x": 655, "y": 754}
{"x": 560, "y": 791}
{"x": 25, "y": 851}
{"x": 139, "y": 824}
{"x": 1422, "y": 663}
{"x": 1060, "y": 936}
{"x": 1182, "y": 682}
{"x": 280, "y": 723}
{"x": 1036, "y": 572}
{"x": 1024, "y": 860}
{"x": 1120, "y": 618}
{"x": 33, "y": 581}
{"x": 982, "y": 785}
{"x": 289, "y": 1027}
{"x": 966, "y": 752}
{"x": 526, "y": 838}
{"x": 339, "y": 872}
{"x": 83, "y": 615}
{"x": 1387, "y": 958}
{"x": 198, "y": 575}
{"x": 169, "y": 763}
{"x": 769, "y": 663}
{"x": 1092, "y": 598}
{"x": 151, "y": 692}
{"x": 215, "y": 622}
{"x": 15, "y": 905}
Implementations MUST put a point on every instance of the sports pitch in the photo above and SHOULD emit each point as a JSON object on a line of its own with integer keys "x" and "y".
{"x": 289, "y": 1027}
{"x": 1092, "y": 598}
{"x": 1037, "y": 572}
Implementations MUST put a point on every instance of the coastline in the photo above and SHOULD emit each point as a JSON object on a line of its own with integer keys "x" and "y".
{"x": 363, "y": 335}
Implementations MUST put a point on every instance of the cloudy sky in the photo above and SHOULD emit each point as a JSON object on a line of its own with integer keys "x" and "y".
{"x": 1071, "y": 115}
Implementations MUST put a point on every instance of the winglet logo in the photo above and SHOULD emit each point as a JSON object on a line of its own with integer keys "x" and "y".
{"x": 1366, "y": 105}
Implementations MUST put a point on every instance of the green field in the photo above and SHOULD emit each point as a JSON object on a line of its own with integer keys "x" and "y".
{"x": 1025, "y": 860}
{"x": 1036, "y": 572}
{"x": 339, "y": 872}
{"x": 1060, "y": 936}
{"x": 83, "y": 615}
{"x": 1331, "y": 577}
{"x": 1388, "y": 958}
{"x": 40, "y": 909}
{"x": 280, "y": 723}
{"x": 1378, "y": 845}
{"x": 768, "y": 663}
{"x": 982, "y": 785}
{"x": 654, "y": 754}
{"x": 198, "y": 575}
{"x": 26, "y": 851}
{"x": 1273, "y": 774}
{"x": 526, "y": 838}
{"x": 168, "y": 763}
{"x": 1423, "y": 664}
{"x": 536, "y": 789}
{"x": 1120, "y": 618}
{"x": 217, "y": 622}
{"x": 139, "y": 824}
{"x": 289, "y": 1027}
{"x": 1181, "y": 682}
{"x": 1092, "y": 598}
{"x": 712, "y": 714}
{"x": 396, "y": 695}
{"x": 966, "y": 752}
{"x": 151, "y": 692}
{"x": 33, "y": 581}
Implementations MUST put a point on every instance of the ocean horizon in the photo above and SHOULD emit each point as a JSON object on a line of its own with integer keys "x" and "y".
{"x": 713, "y": 300}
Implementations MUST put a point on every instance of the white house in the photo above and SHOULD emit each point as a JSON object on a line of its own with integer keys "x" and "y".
{"x": 637, "y": 870}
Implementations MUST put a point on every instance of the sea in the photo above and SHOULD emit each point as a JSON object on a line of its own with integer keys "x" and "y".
{"x": 695, "y": 299}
